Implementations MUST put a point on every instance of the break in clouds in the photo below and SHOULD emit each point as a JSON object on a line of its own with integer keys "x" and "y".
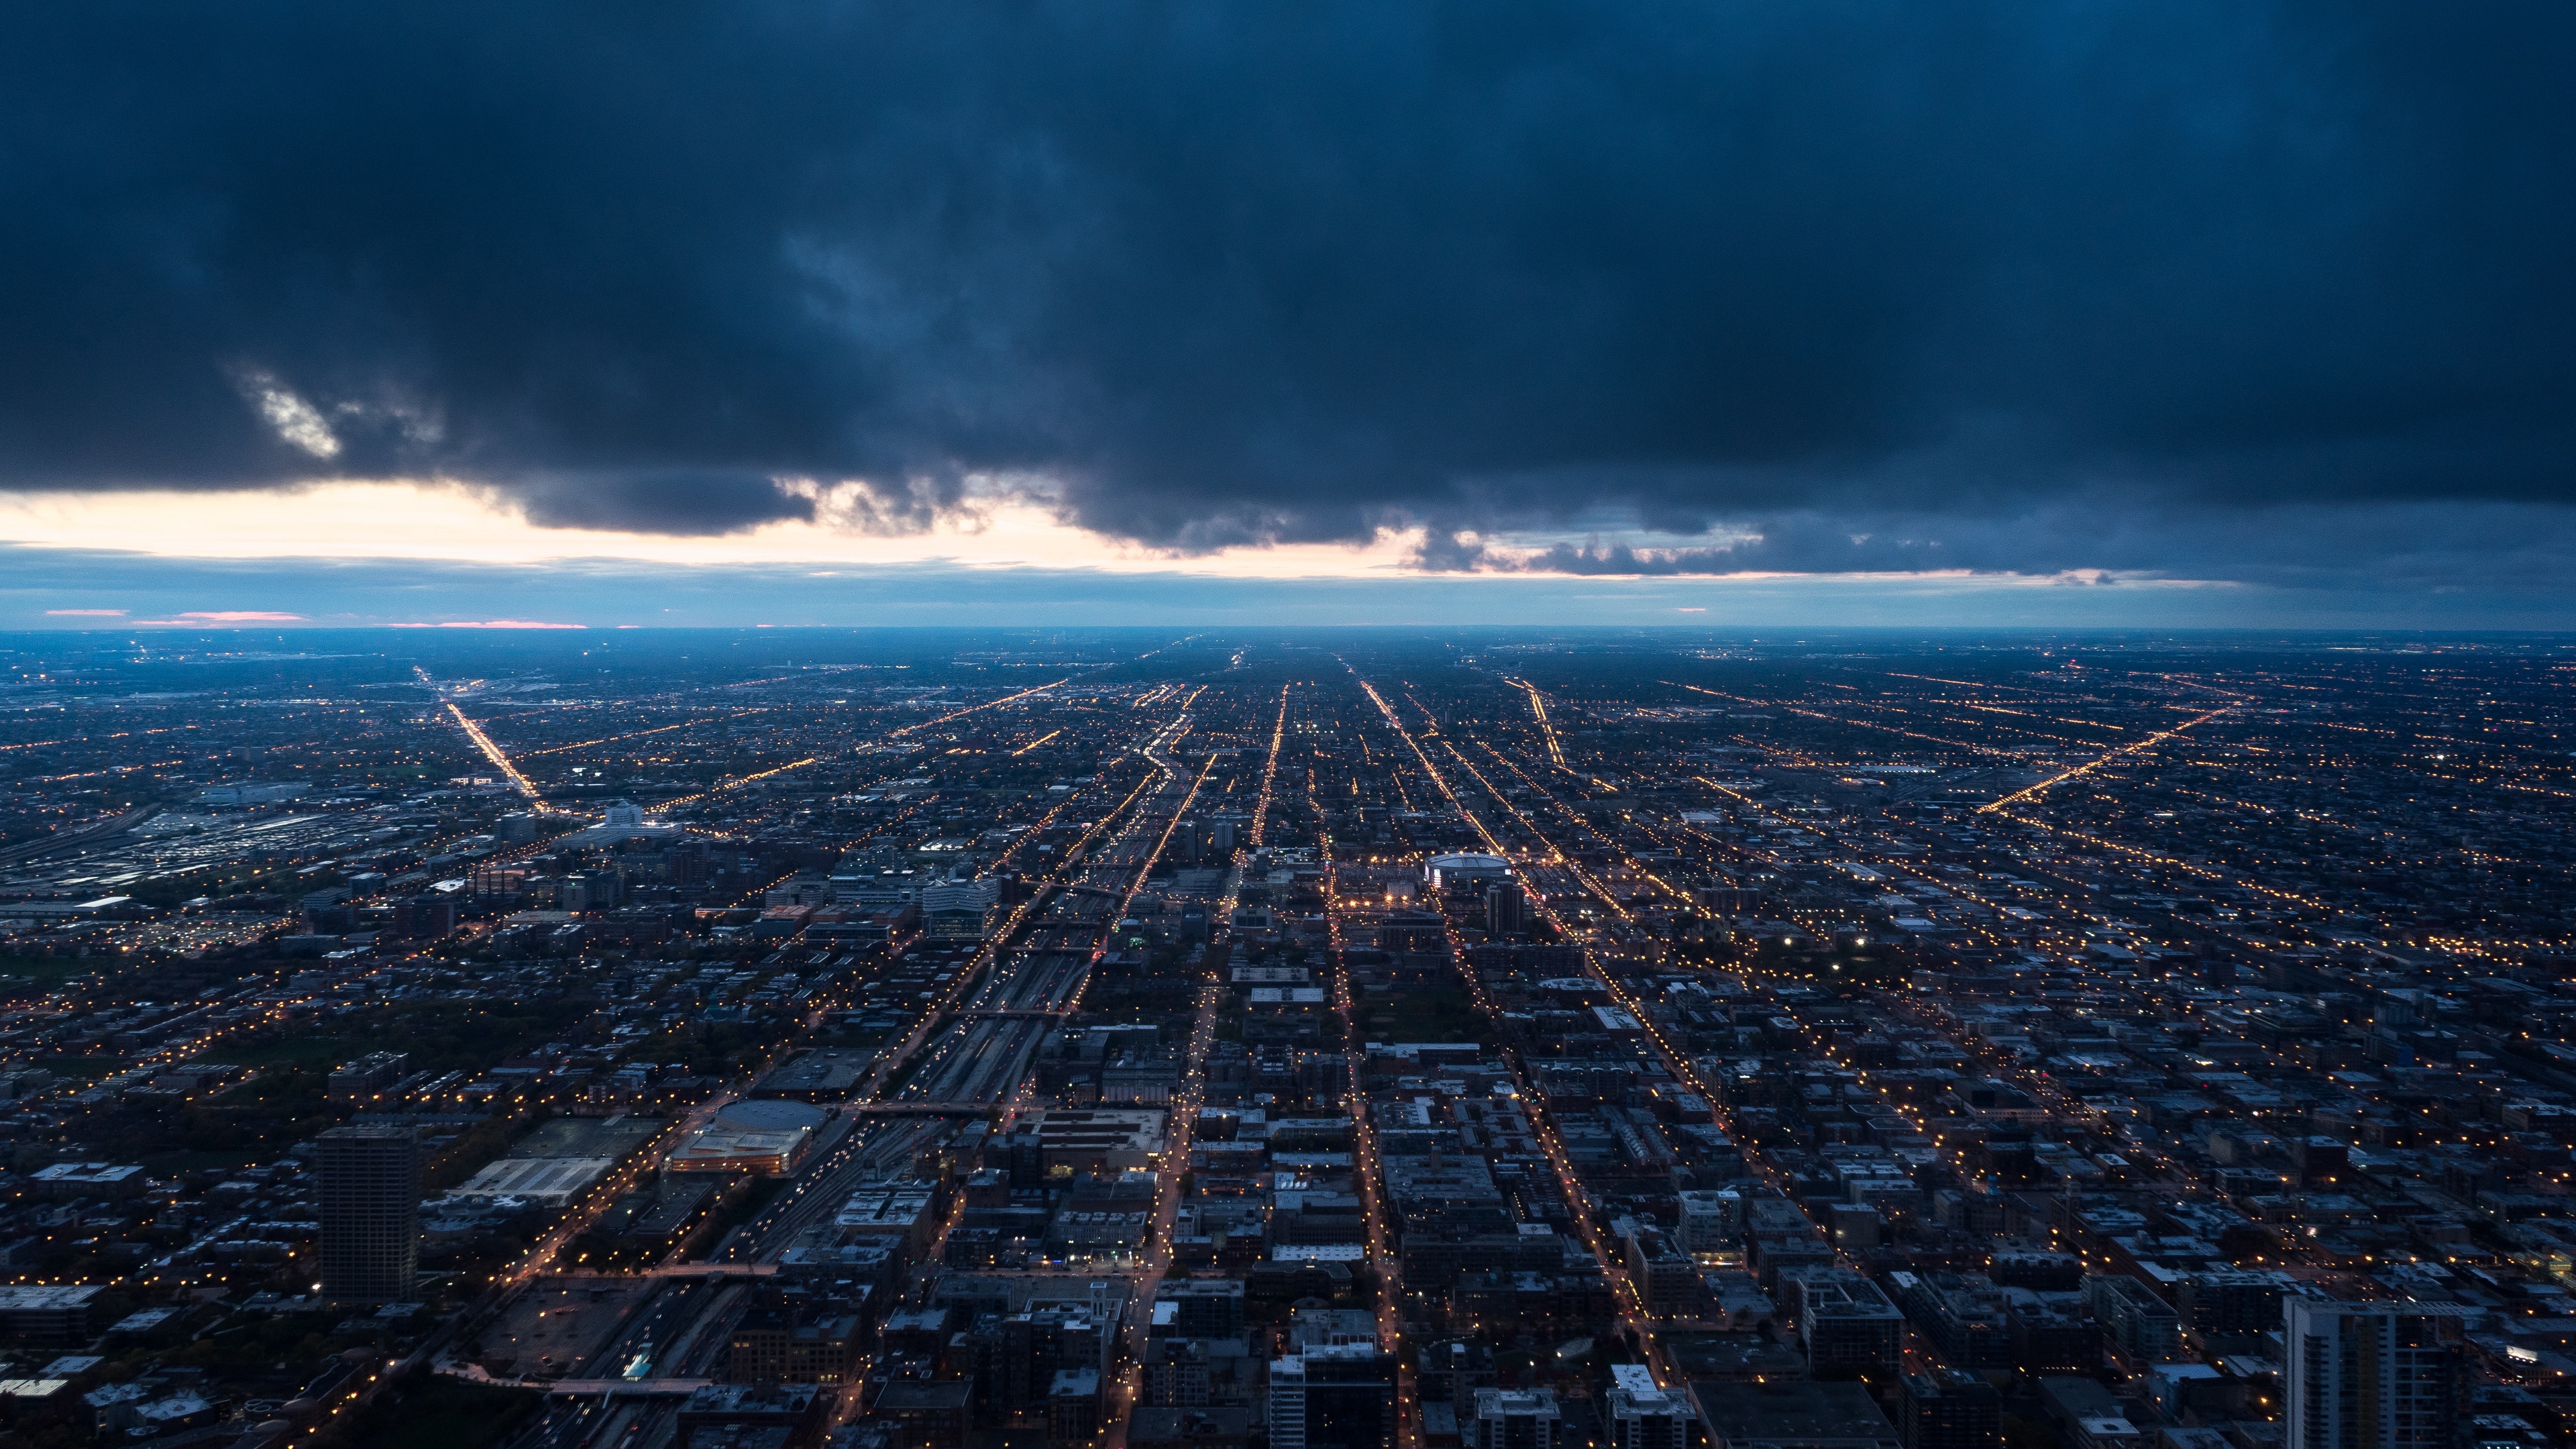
{"x": 2269, "y": 291}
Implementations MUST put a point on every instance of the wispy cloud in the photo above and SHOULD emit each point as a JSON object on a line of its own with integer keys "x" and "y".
{"x": 487, "y": 624}
{"x": 200, "y": 617}
{"x": 293, "y": 419}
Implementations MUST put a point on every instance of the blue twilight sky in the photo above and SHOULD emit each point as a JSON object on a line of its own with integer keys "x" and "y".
{"x": 61, "y": 588}
{"x": 1999, "y": 311}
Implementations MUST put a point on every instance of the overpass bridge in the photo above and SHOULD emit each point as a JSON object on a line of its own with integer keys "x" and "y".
{"x": 922, "y": 1109}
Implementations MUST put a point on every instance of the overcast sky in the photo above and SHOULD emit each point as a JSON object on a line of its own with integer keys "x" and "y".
{"x": 2113, "y": 309}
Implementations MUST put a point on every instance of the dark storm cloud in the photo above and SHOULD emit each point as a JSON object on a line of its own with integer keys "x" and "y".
{"x": 2406, "y": 547}
{"x": 681, "y": 501}
{"x": 1231, "y": 274}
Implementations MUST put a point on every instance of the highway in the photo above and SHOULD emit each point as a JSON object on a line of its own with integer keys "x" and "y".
{"x": 984, "y": 1059}
{"x": 956, "y": 1061}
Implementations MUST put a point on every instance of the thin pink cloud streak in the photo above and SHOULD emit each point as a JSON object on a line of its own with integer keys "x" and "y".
{"x": 491, "y": 624}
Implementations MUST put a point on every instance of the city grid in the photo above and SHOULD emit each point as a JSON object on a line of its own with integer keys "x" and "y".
{"x": 1364, "y": 1037}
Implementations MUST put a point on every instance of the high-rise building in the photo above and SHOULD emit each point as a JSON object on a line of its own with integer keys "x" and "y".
{"x": 370, "y": 1213}
{"x": 1951, "y": 1409}
{"x": 1638, "y": 1415}
{"x": 2372, "y": 1375}
{"x": 1506, "y": 912}
{"x": 1333, "y": 1396}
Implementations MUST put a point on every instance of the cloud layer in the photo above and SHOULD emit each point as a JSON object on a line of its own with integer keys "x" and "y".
{"x": 2055, "y": 287}
{"x": 129, "y": 596}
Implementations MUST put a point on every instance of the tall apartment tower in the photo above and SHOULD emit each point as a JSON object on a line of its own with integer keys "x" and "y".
{"x": 2373, "y": 1375}
{"x": 1333, "y": 1396}
{"x": 370, "y": 1213}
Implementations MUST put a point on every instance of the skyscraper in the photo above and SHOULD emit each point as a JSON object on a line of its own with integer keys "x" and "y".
{"x": 2372, "y": 1375}
{"x": 370, "y": 1213}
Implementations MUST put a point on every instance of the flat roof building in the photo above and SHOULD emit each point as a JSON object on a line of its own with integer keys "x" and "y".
{"x": 1792, "y": 1414}
{"x": 1639, "y": 1414}
{"x": 1515, "y": 1419}
{"x": 551, "y": 1181}
{"x": 47, "y": 1313}
{"x": 816, "y": 1076}
{"x": 1096, "y": 1140}
{"x": 714, "y": 1149}
{"x": 1950, "y": 1409}
{"x": 1845, "y": 1324}
{"x": 1336, "y": 1395}
{"x": 88, "y": 1179}
{"x": 370, "y": 1181}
